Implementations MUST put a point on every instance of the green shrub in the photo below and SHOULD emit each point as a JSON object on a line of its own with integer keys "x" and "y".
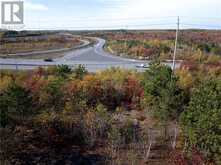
{"x": 52, "y": 95}
{"x": 201, "y": 120}
{"x": 4, "y": 114}
{"x": 60, "y": 70}
{"x": 19, "y": 102}
{"x": 164, "y": 97}
{"x": 79, "y": 72}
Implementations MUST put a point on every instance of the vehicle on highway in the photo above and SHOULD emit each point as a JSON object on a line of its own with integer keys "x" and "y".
{"x": 142, "y": 66}
{"x": 48, "y": 60}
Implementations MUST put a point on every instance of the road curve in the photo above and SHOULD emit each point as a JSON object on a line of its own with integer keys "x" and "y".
{"x": 94, "y": 58}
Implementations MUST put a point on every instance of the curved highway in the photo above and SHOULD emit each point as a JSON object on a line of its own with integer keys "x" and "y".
{"x": 94, "y": 58}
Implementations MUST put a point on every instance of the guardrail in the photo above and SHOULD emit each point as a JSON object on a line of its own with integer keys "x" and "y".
{"x": 93, "y": 67}
{"x": 11, "y": 66}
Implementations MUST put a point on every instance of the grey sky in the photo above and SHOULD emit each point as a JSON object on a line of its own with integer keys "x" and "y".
{"x": 109, "y": 14}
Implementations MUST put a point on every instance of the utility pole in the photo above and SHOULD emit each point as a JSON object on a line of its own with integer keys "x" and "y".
{"x": 175, "y": 49}
{"x": 125, "y": 41}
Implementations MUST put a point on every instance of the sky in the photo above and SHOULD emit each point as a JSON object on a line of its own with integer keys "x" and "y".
{"x": 121, "y": 14}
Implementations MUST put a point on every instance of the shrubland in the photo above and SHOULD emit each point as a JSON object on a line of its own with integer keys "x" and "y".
{"x": 61, "y": 115}
{"x": 160, "y": 44}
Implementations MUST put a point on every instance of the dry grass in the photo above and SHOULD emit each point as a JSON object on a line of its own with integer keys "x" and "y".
{"x": 50, "y": 43}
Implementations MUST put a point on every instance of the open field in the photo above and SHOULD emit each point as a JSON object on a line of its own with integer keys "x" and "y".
{"x": 11, "y": 44}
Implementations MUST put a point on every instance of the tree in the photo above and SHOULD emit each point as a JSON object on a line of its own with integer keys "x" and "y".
{"x": 52, "y": 96}
{"x": 61, "y": 70}
{"x": 216, "y": 50}
{"x": 202, "y": 119}
{"x": 186, "y": 80}
{"x": 19, "y": 102}
{"x": 80, "y": 71}
{"x": 4, "y": 116}
{"x": 164, "y": 97}
{"x": 10, "y": 34}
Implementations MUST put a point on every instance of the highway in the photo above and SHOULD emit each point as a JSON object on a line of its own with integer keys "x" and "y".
{"x": 94, "y": 58}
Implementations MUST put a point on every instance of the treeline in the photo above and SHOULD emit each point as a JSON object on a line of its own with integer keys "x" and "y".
{"x": 56, "y": 115}
{"x": 13, "y": 34}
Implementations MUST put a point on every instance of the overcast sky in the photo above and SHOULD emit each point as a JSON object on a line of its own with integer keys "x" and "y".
{"x": 101, "y": 14}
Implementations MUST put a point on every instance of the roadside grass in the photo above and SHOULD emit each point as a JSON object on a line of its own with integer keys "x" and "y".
{"x": 11, "y": 46}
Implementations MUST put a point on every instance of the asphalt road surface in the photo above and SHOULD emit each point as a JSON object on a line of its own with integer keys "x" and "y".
{"x": 93, "y": 58}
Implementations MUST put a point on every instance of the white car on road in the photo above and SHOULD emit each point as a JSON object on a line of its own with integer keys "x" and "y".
{"x": 142, "y": 66}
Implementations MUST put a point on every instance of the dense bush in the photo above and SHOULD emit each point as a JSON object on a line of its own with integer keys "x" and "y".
{"x": 79, "y": 72}
{"x": 140, "y": 48}
{"x": 16, "y": 102}
{"x": 162, "y": 92}
{"x": 160, "y": 44}
{"x": 62, "y": 70}
{"x": 51, "y": 96}
{"x": 108, "y": 113}
{"x": 4, "y": 114}
{"x": 201, "y": 121}
{"x": 210, "y": 48}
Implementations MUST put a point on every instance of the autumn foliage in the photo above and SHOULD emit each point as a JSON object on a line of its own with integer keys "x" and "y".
{"x": 60, "y": 114}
